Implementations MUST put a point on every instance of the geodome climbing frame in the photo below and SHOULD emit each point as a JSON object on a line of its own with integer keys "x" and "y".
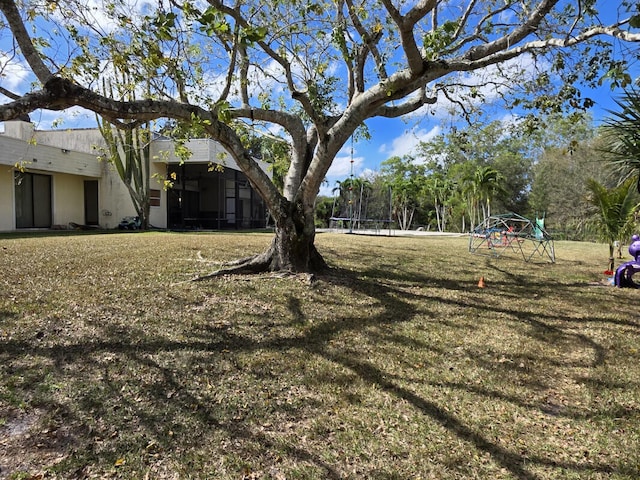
{"x": 510, "y": 232}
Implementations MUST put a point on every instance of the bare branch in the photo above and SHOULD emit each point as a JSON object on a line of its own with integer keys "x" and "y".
{"x": 351, "y": 71}
{"x": 576, "y": 20}
{"x": 455, "y": 101}
{"x": 409, "y": 106}
{"x": 232, "y": 66}
{"x": 537, "y": 45}
{"x": 405, "y": 27}
{"x": 10, "y": 11}
{"x": 370, "y": 41}
{"x": 9, "y": 94}
{"x": 516, "y": 36}
{"x": 284, "y": 63}
{"x": 419, "y": 11}
{"x": 462, "y": 23}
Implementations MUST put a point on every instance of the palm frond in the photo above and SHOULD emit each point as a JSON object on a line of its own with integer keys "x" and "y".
{"x": 621, "y": 131}
{"x": 615, "y": 209}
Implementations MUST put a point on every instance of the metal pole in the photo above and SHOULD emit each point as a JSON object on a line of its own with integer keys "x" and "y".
{"x": 390, "y": 208}
{"x": 351, "y": 192}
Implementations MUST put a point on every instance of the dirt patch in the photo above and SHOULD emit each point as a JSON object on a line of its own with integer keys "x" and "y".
{"x": 26, "y": 446}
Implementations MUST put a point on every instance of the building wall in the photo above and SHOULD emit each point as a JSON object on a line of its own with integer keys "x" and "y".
{"x": 158, "y": 214}
{"x": 18, "y": 129}
{"x": 20, "y": 147}
{"x": 68, "y": 199}
{"x": 46, "y": 158}
{"x": 72, "y": 156}
{"x": 7, "y": 220}
{"x": 86, "y": 140}
{"x": 202, "y": 151}
{"x": 115, "y": 200}
{"x": 113, "y": 197}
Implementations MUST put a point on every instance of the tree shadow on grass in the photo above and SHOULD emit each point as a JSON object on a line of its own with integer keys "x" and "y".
{"x": 143, "y": 390}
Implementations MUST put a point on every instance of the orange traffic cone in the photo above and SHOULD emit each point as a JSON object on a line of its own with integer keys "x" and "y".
{"x": 481, "y": 283}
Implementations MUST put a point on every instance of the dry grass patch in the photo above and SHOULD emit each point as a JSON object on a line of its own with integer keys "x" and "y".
{"x": 392, "y": 365}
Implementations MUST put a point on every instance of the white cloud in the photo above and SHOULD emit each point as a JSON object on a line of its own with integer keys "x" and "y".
{"x": 74, "y": 117}
{"x": 341, "y": 166}
{"x": 406, "y": 143}
{"x": 14, "y": 74}
{"x": 368, "y": 174}
{"x": 341, "y": 169}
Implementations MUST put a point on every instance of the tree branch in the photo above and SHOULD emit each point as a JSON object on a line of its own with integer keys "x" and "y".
{"x": 405, "y": 27}
{"x": 60, "y": 93}
{"x": 9, "y": 94}
{"x": 409, "y": 106}
{"x": 352, "y": 72}
{"x": 466, "y": 64}
{"x": 296, "y": 130}
{"x": 515, "y": 37}
{"x": 371, "y": 42}
{"x": 296, "y": 94}
{"x": 232, "y": 66}
{"x": 11, "y": 13}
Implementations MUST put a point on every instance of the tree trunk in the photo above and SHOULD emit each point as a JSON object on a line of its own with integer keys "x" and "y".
{"x": 437, "y": 209}
{"x": 292, "y": 250}
{"x": 612, "y": 262}
{"x": 146, "y": 211}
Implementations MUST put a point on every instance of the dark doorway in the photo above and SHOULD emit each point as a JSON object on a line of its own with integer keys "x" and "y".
{"x": 91, "y": 202}
{"x": 33, "y": 200}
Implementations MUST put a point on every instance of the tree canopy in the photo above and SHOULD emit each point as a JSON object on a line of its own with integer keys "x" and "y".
{"x": 313, "y": 71}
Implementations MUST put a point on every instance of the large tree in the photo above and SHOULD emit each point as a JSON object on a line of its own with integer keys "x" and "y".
{"x": 569, "y": 153}
{"x": 314, "y": 70}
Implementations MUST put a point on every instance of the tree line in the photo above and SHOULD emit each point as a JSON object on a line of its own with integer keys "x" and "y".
{"x": 460, "y": 177}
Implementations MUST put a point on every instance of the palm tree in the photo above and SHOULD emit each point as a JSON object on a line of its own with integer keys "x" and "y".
{"x": 440, "y": 189}
{"x": 480, "y": 186}
{"x": 489, "y": 183}
{"x": 621, "y": 132}
{"x": 615, "y": 212}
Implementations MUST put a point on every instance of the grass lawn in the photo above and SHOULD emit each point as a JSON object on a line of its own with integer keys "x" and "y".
{"x": 394, "y": 365}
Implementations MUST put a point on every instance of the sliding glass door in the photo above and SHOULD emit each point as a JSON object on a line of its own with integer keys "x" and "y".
{"x": 33, "y": 200}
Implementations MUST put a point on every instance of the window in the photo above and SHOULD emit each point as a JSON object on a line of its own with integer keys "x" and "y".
{"x": 154, "y": 198}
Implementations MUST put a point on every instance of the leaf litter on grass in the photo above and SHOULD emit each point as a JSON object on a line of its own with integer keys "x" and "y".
{"x": 390, "y": 366}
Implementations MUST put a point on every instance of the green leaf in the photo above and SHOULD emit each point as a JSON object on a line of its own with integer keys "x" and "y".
{"x": 252, "y": 35}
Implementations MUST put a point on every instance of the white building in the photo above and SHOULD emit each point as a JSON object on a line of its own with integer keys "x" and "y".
{"x": 54, "y": 179}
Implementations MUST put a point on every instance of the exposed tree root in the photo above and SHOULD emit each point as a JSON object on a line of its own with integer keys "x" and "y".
{"x": 254, "y": 264}
{"x": 269, "y": 261}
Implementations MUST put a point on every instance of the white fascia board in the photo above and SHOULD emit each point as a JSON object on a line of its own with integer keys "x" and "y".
{"x": 47, "y": 158}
